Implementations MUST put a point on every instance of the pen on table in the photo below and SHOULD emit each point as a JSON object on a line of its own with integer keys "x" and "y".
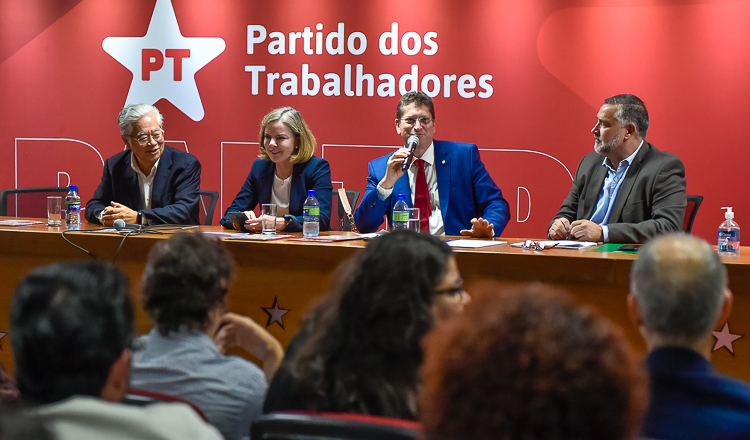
{"x": 189, "y": 227}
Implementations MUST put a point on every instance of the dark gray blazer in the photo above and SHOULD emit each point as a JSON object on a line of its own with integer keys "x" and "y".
{"x": 651, "y": 200}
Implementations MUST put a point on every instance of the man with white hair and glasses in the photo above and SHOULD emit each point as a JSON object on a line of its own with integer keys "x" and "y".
{"x": 149, "y": 183}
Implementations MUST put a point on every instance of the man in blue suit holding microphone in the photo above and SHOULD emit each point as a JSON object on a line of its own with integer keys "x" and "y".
{"x": 446, "y": 180}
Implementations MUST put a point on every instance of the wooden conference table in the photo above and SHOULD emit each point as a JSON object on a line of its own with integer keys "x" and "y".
{"x": 285, "y": 276}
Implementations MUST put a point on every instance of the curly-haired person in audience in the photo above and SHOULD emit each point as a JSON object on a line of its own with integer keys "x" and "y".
{"x": 527, "y": 363}
{"x": 184, "y": 288}
{"x": 359, "y": 350}
{"x": 71, "y": 325}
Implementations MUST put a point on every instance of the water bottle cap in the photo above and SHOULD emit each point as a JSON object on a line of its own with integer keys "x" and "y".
{"x": 73, "y": 188}
{"x": 402, "y": 196}
{"x": 729, "y": 214}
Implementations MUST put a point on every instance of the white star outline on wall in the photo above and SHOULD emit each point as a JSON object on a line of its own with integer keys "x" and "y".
{"x": 174, "y": 80}
{"x": 724, "y": 339}
{"x": 275, "y": 314}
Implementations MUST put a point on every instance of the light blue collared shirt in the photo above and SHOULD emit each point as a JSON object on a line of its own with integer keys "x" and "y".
{"x": 187, "y": 364}
{"x": 610, "y": 190}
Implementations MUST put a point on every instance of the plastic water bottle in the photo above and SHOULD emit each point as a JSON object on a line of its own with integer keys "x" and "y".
{"x": 729, "y": 234}
{"x": 311, "y": 213}
{"x": 73, "y": 208}
{"x": 400, "y": 214}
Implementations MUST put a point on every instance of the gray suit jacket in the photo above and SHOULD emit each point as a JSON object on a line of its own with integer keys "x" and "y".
{"x": 651, "y": 200}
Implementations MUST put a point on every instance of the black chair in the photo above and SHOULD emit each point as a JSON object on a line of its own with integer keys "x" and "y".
{"x": 208, "y": 206}
{"x": 281, "y": 426}
{"x": 339, "y": 222}
{"x": 28, "y": 202}
{"x": 693, "y": 203}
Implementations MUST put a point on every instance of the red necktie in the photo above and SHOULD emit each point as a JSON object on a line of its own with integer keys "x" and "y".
{"x": 422, "y": 198}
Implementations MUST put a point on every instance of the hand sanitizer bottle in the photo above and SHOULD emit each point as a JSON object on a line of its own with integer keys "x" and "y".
{"x": 729, "y": 235}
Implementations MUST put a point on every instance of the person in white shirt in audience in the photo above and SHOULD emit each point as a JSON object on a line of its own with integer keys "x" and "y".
{"x": 71, "y": 326}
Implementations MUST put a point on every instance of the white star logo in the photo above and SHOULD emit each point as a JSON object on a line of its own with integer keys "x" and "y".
{"x": 275, "y": 314}
{"x": 164, "y": 63}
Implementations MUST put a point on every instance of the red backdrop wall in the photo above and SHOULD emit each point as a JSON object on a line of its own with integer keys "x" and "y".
{"x": 522, "y": 79}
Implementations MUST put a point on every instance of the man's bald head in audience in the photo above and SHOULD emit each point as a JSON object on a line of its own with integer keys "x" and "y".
{"x": 680, "y": 286}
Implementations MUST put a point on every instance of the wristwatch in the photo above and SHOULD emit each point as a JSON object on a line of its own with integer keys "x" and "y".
{"x": 139, "y": 218}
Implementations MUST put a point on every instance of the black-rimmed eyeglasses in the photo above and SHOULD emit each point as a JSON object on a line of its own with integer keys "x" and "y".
{"x": 536, "y": 245}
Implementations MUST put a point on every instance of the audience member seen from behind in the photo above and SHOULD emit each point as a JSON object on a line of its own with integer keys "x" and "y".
{"x": 678, "y": 296}
{"x": 284, "y": 173}
{"x": 528, "y": 363}
{"x": 71, "y": 326}
{"x": 184, "y": 290}
{"x": 359, "y": 350}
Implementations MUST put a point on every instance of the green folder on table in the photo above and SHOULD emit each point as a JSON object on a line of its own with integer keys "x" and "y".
{"x": 612, "y": 247}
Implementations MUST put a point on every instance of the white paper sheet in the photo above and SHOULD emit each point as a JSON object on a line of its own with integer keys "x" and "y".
{"x": 474, "y": 244}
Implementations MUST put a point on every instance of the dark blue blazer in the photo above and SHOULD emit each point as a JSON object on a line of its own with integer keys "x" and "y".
{"x": 691, "y": 400}
{"x": 174, "y": 197}
{"x": 465, "y": 188}
{"x": 313, "y": 174}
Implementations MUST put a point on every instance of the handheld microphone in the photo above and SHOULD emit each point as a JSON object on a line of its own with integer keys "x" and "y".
{"x": 412, "y": 143}
{"x": 121, "y": 224}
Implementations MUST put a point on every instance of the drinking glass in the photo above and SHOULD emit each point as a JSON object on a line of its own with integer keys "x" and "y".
{"x": 54, "y": 211}
{"x": 268, "y": 216}
{"x": 413, "y": 219}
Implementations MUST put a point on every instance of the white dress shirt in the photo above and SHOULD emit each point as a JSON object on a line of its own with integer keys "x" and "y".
{"x": 146, "y": 183}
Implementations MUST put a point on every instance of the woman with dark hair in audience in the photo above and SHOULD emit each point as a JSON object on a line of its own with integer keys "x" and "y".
{"x": 284, "y": 173}
{"x": 528, "y": 363}
{"x": 359, "y": 350}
